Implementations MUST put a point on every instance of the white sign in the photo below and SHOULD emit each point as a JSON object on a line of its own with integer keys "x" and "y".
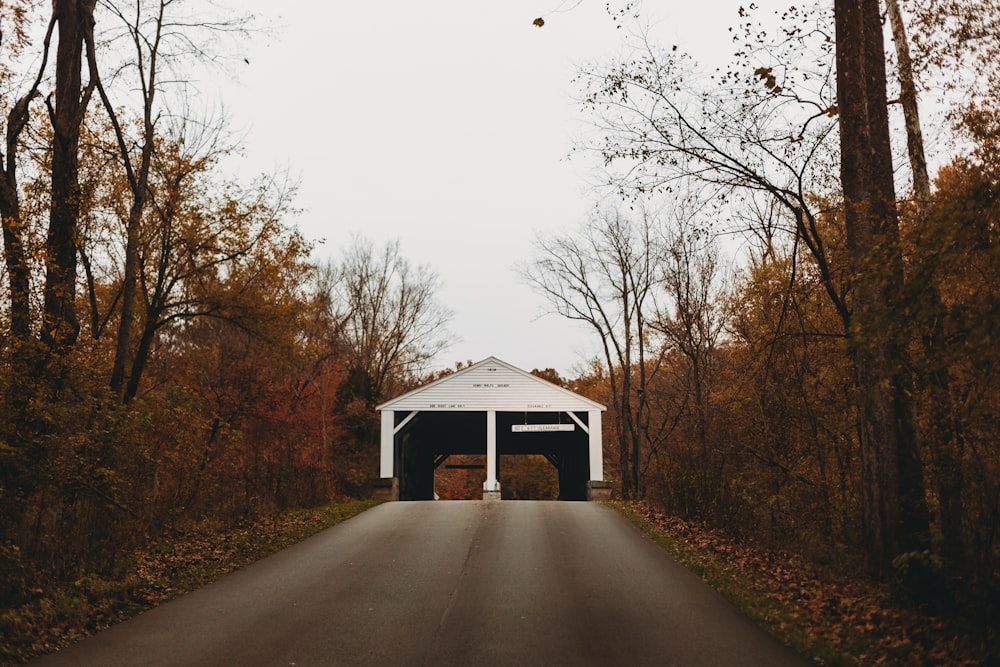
{"x": 540, "y": 428}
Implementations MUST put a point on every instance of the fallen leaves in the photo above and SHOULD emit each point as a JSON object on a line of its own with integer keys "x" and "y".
{"x": 828, "y": 616}
{"x": 68, "y": 612}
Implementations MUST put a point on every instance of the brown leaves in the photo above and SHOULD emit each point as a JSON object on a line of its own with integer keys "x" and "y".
{"x": 538, "y": 22}
{"x": 832, "y": 615}
{"x": 62, "y": 613}
{"x": 766, "y": 74}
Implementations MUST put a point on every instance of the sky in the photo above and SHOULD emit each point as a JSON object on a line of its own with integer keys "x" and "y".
{"x": 445, "y": 125}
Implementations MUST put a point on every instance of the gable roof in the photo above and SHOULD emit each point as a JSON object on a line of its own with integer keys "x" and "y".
{"x": 491, "y": 384}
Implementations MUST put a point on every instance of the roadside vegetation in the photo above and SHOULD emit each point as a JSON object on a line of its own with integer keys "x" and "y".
{"x": 796, "y": 314}
{"x": 158, "y": 572}
{"x": 832, "y": 619}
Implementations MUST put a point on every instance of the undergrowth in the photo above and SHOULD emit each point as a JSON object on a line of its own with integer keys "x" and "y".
{"x": 65, "y": 612}
{"x": 829, "y": 619}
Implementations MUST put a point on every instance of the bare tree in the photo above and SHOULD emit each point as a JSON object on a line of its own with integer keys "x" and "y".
{"x": 604, "y": 275}
{"x": 389, "y": 317}
{"x": 761, "y": 132}
{"x": 693, "y": 323}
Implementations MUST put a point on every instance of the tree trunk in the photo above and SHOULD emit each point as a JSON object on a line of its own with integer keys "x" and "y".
{"x": 944, "y": 437}
{"x": 908, "y": 99}
{"x": 130, "y": 282}
{"x": 894, "y": 514}
{"x": 18, "y": 276}
{"x": 60, "y": 327}
{"x": 18, "y": 271}
{"x": 139, "y": 184}
{"x": 640, "y": 408}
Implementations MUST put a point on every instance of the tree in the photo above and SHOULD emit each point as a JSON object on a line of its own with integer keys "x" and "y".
{"x": 759, "y": 132}
{"x": 786, "y": 404}
{"x": 160, "y": 35}
{"x": 15, "y": 255}
{"x": 953, "y": 267}
{"x": 75, "y": 22}
{"x": 908, "y": 100}
{"x": 209, "y": 248}
{"x": 942, "y": 435}
{"x": 25, "y": 451}
{"x": 604, "y": 276}
{"x": 387, "y": 324}
{"x": 389, "y": 319}
{"x": 693, "y": 324}
{"x": 766, "y": 130}
{"x": 895, "y": 519}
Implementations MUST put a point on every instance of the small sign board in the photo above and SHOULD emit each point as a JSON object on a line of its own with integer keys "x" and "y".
{"x": 541, "y": 428}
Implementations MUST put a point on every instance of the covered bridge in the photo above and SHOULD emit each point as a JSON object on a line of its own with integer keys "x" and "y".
{"x": 495, "y": 409}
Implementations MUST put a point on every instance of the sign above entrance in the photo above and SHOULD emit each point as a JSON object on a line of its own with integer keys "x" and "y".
{"x": 541, "y": 428}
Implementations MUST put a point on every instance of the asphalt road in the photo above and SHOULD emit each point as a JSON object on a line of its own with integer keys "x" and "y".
{"x": 449, "y": 583}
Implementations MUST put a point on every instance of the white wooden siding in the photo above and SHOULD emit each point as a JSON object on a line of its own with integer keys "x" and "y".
{"x": 492, "y": 385}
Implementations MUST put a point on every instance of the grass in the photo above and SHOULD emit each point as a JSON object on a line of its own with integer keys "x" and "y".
{"x": 69, "y": 611}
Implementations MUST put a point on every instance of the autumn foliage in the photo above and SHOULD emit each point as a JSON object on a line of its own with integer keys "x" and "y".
{"x": 831, "y": 393}
{"x": 171, "y": 355}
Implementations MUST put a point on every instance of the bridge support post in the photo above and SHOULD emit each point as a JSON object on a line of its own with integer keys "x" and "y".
{"x": 387, "y": 445}
{"x": 491, "y": 487}
{"x": 596, "y": 445}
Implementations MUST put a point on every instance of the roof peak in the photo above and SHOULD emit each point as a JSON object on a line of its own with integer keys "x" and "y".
{"x": 491, "y": 384}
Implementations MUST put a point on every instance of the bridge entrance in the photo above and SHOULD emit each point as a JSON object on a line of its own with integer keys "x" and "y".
{"x": 435, "y": 438}
{"x": 496, "y": 410}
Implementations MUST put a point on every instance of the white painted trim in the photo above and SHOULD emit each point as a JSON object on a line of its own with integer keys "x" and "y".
{"x": 579, "y": 421}
{"x": 387, "y": 443}
{"x": 491, "y": 483}
{"x": 406, "y": 421}
{"x": 596, "y": 447}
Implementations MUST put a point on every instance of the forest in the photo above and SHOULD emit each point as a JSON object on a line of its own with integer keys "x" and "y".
{"x": 796, "y": 288}
{"x": 792, "y": 270}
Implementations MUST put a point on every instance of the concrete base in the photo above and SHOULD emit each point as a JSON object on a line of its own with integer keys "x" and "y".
{"x": 491, "y": 495}
{"x": 598, "y": 490}
{"x": 386, "y": 488}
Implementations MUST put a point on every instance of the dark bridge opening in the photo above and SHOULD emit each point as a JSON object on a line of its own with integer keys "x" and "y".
{"x": 434, "y": 439}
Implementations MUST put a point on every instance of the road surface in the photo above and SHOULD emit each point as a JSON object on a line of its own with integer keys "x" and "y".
{"x": 449, "y": 583}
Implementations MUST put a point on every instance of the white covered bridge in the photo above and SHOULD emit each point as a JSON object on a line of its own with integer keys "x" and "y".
{"x": 495, "y": 409}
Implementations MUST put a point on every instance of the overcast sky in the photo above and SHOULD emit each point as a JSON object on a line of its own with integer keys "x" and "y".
{"x": 445, "y": 125}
